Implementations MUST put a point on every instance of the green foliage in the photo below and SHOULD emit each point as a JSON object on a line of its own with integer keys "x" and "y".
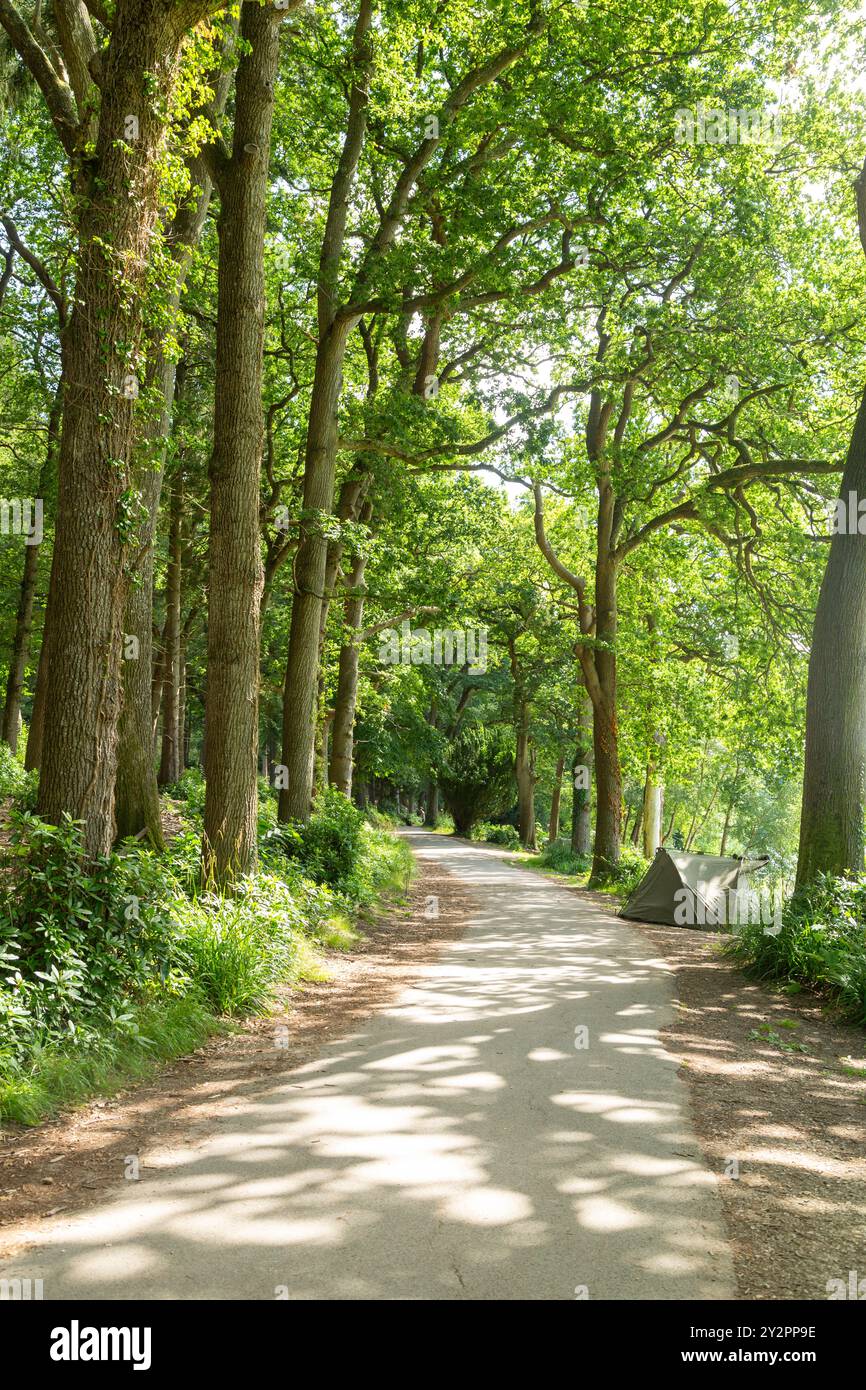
{"x": 103, "y": 964}
{"x": 562, "y": 858}
{"x": 821, "y": 944}
{"x": 327, "y": 847}
{"x": 191, "y": 789}
{"x": 52, "y": 1077}
{"x": 76, "y": 942}
{"x": 380, "y": 819}
{"x": 627, "y": 874}
{"x": 15, "y": 783}
{"x": 496, "y": 834}
{"x": 477, "y": 778}
{"x": 238, "y": 948}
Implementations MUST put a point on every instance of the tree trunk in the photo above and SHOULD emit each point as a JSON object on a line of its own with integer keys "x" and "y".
{"x": 181, "y": 714}
{"x": 581, "y": 797}
{"x": 36, "y": 733}
{"x": 119, "y": 210}
{"x": 524, "y": 768}
{"x": 690, "y": 834}
{"x": 697, "y": 826}
{"x": 136, "y": 795}
{"x": 302, "y": 659}
{"x": 431, "y": 813}
{"x": 235, "y": 563}
{"x": 834, "y": 773}
{"x": 351, "y": 494}
{"x": 342, "y": 739}
{"x": 172, "y": 727}
{"x": 652, "y": 817}
{"x": 725, "y": 828}
{"x": 20, "y": 653}
{"x": 608, "y": 775}
{"x": 156, "y": 689}
{"x": 555, "y": 802}
{"x": 638, "y": 820}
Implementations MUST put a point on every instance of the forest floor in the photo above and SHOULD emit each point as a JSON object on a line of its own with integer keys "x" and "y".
{"x": 614, "y": 1177}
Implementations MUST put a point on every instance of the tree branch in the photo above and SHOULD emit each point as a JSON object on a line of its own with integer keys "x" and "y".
{"x": 39, "y": 268}
{"x": 58, "y": 94}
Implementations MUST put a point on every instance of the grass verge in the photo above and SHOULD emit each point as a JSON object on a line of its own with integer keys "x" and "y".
{"x": 109, "y": 970}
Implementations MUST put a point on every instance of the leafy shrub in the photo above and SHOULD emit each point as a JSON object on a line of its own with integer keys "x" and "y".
{"x": 190, "y": 788}
{"x": 40, "y": 1083}
{"x": 497, "y": 834}
{"x": 237, "y": 948}
{"x": 327, "y": 848}
{"x": 477, "y": 777}
{"x": 75, "y": 941}
{"x": 821, "y": 944}
{"x": 562, "y": 858}
{"x": 623, "y": 877}
{"x": 379, "y": 819}
{"x": 14, "y": 781}
{"x": 85, "y": 946}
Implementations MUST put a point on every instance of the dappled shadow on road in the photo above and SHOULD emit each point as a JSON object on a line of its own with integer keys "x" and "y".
{"x": 465, "y": 1144}
{"x": 779, "y": 1098}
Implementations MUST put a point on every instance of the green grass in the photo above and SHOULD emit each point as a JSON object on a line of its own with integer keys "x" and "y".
{"x": 558, "y": 861}
{"x": 52, "y": 1078}
{"x": 522, "y": 858}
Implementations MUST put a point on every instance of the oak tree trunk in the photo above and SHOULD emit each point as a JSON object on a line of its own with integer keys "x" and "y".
{"x": 235, "y": 576}
{"x": 581, "y": 797}
{"x": 119, "y": 205}
{"x": 300, "y": 705}
{"x": 302, "y": 658}
{"x": 524, "y": 769}
{"x": 608, "y": 775}
{"x": 137, "y": 800}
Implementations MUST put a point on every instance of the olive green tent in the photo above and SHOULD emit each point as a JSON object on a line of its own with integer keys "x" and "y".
{"x": 680, "y": 889}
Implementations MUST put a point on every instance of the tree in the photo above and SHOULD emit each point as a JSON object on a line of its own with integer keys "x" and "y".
{"x": 235, "y": 576}
{"x": 115, "y": 157}
{"x": 478, "y": 775}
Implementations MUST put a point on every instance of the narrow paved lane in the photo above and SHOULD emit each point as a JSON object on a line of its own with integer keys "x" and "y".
{"x": 463, "y": 1145}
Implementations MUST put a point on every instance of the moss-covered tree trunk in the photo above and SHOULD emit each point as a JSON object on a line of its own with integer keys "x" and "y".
{"x": 171, "y": 756}
{"x": 119, "y": 195}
